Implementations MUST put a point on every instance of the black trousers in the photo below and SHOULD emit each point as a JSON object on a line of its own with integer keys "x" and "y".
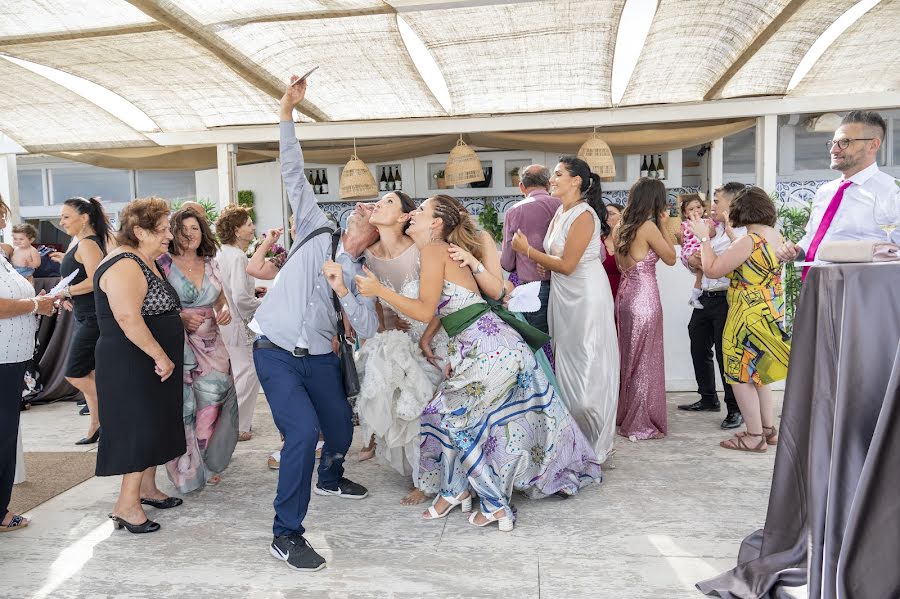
{"x": 539, "y": 319}
{"x": 705, "y": 330}
{"x": 12, "y": 380}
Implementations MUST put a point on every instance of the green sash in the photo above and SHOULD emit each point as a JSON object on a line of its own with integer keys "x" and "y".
{"x": 460, "y": 320}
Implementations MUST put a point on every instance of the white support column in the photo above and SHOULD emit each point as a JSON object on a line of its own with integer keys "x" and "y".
{"x": 226, "y": 164}
{"x": 9, "y": 189}
{"x": 767, "y": 151}
{"x": 716, "y": 165}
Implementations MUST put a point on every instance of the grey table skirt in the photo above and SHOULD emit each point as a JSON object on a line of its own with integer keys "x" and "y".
{"x": 833, "y": 519}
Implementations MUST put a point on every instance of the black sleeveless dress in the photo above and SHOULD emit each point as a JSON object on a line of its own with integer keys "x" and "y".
{"x": 141, "y": 416}
{"x": 80, "y": 362}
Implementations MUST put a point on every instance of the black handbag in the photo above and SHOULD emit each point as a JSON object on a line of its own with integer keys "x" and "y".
{"x": 345, "y": 349}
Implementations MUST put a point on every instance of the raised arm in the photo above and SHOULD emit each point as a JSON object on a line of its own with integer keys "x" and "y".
{"x": 258, "y": 266}
{"x": 307, "y": 214}
{"x": 661, "y": 240}
{"x": 488, "y": 273}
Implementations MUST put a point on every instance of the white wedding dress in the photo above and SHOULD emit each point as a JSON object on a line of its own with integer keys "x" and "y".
{"x": 396, "y": 381}
{"x": 581, "y": 315}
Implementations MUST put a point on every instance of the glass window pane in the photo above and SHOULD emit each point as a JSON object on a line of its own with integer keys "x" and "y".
{"x": 110, "y": 185}
{"x": 169, "y": 185}
{"x": 896, "y": 141}
{"x": 739, "y": 152}
{"x": 31, "y": 188}
{"x": 810, "y": 153}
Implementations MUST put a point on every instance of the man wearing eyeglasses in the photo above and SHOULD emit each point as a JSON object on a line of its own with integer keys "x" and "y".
{"x": 843, "y": 209}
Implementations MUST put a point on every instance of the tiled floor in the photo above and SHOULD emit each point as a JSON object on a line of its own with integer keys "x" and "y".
{"x": 668, "y": 514}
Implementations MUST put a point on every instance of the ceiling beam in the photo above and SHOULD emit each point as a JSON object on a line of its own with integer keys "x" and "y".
{"x": 611, "y": 117}
{"x": 175, "y": 18}
{"x": 63, "y": 36}
{"x": 761, "y": 39}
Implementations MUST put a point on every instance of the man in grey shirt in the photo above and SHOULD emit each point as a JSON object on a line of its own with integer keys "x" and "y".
{"x": 294, "y": 353}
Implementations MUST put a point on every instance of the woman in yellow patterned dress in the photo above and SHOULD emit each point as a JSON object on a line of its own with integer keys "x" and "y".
{"x": 754, "y": 345}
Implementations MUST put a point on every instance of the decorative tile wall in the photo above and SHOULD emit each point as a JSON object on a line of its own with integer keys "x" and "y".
{"x": 800, "y": 192}
{"x": 340, "y": 210}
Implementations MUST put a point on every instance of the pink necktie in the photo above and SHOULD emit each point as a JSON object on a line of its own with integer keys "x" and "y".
{"x": 830, "y": 211}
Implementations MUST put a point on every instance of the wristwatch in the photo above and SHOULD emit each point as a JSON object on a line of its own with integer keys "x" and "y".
{"x": 704, "y": 239}
{"x": 478, "y": 269}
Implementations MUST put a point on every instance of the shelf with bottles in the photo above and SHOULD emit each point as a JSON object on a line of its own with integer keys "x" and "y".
{"x": 318, "y": 178}
{"x": 654, "y": 166}
{"x": 389, "y": 177}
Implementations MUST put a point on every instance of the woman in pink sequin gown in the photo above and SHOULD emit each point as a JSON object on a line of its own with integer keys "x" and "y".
{"x": 641, "y": 239}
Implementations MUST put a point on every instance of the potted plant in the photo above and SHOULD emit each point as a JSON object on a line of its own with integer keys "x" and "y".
{"x": 514, "y": 177}
{"x": 439, "y": 179}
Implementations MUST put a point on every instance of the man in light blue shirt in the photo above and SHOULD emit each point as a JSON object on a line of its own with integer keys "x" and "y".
{"x": 294, "y": 355}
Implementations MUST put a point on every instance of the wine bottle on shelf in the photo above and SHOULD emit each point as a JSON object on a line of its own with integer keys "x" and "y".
{"x": 382, "y": 182}
{"x": 645, "y": 170}
{"x": 652, "y": 171}
{"x": 390, "y": 180}
{"x": 660, "y": 169}
{"x": 325, "y": 181}
{"x": 309, "y": 177}
{"x": 398, "y": 183}
{"x": 317, "y": 184}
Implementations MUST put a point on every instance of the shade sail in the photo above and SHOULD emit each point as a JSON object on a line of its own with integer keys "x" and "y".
{"x": 193, "y": 66}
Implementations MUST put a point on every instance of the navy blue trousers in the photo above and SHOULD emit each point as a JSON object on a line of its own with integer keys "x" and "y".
{"x": 306, "y": 396}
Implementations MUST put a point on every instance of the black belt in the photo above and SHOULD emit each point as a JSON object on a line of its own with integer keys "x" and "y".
{"x": 264, "y": 343}
{"x": 722, "y": 293}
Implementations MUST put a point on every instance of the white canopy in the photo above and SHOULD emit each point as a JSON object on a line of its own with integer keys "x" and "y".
{"x": 192, "y": 66}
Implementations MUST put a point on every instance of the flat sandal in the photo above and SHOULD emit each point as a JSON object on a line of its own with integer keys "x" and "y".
{"x": 770, "y": 433}
{"x": 739, "y": 443}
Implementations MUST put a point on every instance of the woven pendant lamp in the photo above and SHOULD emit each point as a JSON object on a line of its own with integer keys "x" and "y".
{"x": 598, "y": 156}
{"x": 463, "y": 165}
{"x": 357, "y": 182}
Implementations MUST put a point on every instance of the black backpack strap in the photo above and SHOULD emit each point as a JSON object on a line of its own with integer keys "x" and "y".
{"x": 335, "y": 240}
{"x": 297, "y": 246}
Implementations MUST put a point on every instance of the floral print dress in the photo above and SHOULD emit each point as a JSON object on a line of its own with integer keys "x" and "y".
{"x": 496, "y": 424}
{"x": 210, "y": 400}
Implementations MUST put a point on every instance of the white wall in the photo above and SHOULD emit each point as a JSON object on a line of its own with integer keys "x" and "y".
{"x": 264, "y": 180}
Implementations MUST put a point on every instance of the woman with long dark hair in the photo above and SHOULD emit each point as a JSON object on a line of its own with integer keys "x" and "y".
{"x": 495, "y": 421}
{"x": 397, "y": 380}
{"x": 581, "y": 303}
{"x": 210, "y": 399}
{"x": 641, "y": 240}
{"x": 89, "y": 227}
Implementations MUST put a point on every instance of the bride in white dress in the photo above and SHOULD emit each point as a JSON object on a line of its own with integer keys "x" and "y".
{"x": 581, "y": 309}
{"x": 397, "y": 381}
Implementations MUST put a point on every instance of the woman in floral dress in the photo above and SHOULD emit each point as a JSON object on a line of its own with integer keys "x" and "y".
{"x": 210, "y": 400}
{"x": 495, "y": 424}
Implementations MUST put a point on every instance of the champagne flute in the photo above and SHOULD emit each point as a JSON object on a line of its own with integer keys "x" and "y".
{"x": 887, "y": 211}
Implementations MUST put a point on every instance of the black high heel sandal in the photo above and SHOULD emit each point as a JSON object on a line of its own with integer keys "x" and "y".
{"x": 163, "y": 504}
{"x": 90, "y": 440}
{"x": 147, "y": 526}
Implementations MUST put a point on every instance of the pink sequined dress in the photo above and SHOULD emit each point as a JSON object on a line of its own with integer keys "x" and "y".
{"x": 642, "y": 391}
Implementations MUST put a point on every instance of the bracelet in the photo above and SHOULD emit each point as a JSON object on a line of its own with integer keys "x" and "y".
{"x": 36, "y": 305}
{"x": 528, "y": 253}
{"x": 67, "y": 293}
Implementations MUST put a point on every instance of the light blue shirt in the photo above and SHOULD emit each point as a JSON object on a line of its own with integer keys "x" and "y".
{"x": 297, "y": 311}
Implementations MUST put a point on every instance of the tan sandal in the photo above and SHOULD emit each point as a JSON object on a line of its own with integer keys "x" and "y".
{"x": 739, "y": 443}
{"x": 770, "y": 432}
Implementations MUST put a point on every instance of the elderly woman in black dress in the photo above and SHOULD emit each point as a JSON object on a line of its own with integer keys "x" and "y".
{"x": 139, "y": 364}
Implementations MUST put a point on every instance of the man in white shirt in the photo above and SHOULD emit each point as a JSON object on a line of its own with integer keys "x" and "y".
{"x": 843, "y": 209}
{"x": 707, "y": 324}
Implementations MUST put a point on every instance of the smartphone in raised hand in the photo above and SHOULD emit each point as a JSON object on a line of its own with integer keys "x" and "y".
{"x": 305, "y": 75}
